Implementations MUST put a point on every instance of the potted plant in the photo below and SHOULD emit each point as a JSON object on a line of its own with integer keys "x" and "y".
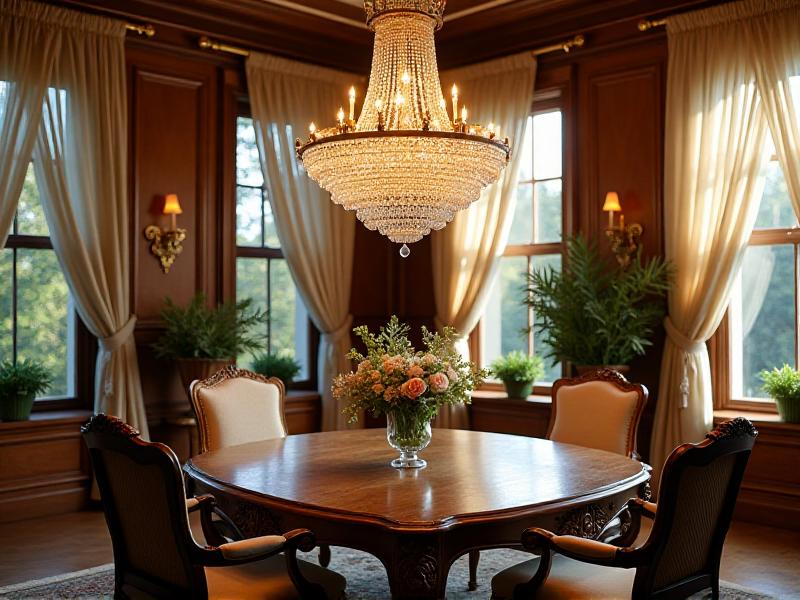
{"x": 518, "y": 371}
{"x": 203, "y": 340}
{"x": 783, "y": 386}
{"x": 596, "y": 314}
{"x": 20, "y": 383}
{"x": 284, "y": 367}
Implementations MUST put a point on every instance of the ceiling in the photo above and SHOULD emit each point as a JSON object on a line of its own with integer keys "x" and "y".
{"x": 332, "y": 32}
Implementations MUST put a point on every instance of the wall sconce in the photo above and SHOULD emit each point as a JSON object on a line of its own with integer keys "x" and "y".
{"x": 624, "y": 239}
{"x": 167, "y": 244}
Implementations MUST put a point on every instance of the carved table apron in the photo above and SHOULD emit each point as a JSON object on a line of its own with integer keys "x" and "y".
{"x": 479, "y": 491}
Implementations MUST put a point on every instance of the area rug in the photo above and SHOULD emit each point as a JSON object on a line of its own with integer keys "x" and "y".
{"x": 366, "y": 579}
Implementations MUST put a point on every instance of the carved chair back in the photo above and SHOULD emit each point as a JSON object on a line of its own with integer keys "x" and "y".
{"x": 235, "y": 406}
{"x": 600, "y": 409}
{"x": 143, "y": 496}
{"x": 697, "y": 495}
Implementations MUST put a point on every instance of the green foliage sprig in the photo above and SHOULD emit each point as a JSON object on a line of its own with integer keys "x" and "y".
{"x": 197, "y": 331}
{"x": 518, "y": 366}
{"x": 782, "y": 384}
{"x": 23, "y": 379}
{"x": 596, "y": 313}
{"x": 393, "y": 377}
{"x": 284, "y": 368}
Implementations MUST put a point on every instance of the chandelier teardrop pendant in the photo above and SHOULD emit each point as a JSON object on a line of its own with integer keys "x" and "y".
{"x": 405, "y": 167}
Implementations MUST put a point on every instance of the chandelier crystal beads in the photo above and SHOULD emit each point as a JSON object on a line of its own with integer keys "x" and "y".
{"x": 404, "y": 166}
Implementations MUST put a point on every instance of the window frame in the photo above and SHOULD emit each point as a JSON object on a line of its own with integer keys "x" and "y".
{"x": 720, "y": 344}
{"x": 84, "y": 346}
{"x": 267, "y": 253}
{"x": 545, "y": 100}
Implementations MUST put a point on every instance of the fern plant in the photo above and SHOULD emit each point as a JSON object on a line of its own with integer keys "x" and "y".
{"x": 283, "y": 367}
{"x": 197, "y": 331}
{"x": 596, "y": 313}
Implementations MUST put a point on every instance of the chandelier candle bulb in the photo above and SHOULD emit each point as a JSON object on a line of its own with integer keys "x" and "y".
{"x": 402, "y": 165}
{"x": 352, "y": 103}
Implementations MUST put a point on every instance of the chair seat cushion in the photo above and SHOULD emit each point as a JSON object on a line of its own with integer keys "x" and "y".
{"x": 268, "y": 578}
{"x": 568, "y": 579}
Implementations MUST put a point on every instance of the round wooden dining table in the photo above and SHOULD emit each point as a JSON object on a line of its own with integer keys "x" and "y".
{"x": 479, "y": 490}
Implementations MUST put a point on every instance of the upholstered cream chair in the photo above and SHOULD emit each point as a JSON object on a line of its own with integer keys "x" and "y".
{"x": 235, "y": 406}
{"x": 681, "y": 556}
{"x": 599, "y": 410}
{"x": 155, "y": 554}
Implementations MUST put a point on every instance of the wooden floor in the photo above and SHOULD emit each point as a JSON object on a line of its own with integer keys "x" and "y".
{"x": 763, "y": 558}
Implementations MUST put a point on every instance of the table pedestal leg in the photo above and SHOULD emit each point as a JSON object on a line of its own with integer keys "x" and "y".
{"x": 418, "y": 570}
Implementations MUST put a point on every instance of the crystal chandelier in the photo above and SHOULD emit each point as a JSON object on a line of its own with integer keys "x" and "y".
{"x": 406, "y": 167}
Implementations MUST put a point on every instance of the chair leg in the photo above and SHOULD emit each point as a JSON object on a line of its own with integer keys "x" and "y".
{"x": 324, "y": 555}
{"x": 474, "y": 557}
{"x": 715, "y": 589}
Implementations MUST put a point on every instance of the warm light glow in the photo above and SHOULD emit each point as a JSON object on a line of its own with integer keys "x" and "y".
{"x": 612, "y": 202}
{"x": 464, "y": 114}
{"x": 490, "y": 127}
{"x": 406, "y": 78}
{"x": 400, "y": 100}
{"x": 340, "y": 115}
{"x": 352, "y": 96}
{"x": 379, "y": 104}
{"x": 312, "y": 128}
{"x": 454, "y": 93}
{"x": 171, "y": 205}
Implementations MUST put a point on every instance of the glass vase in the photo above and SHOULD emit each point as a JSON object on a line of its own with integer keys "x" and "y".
{"x": 408, "y": 433}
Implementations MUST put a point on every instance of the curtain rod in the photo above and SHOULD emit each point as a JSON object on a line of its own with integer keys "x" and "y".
{"x": 145, "y": 29}
{"x": 574, "y": 42}
{"x": 647, "y": 24}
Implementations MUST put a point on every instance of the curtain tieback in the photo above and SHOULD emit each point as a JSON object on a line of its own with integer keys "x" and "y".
{"x": 341, "y": 332}
{"x": 687, "y": 345}
{"x": 115, "y": 340}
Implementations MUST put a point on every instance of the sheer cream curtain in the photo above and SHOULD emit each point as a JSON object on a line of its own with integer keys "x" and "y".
{"x": 27, "y": 48}
{"x": 80, "y": 162}
{"x": 466, "y": 252}
{"x": 715, "y": 133}
{"x": 316, "y": 235}
{"x": 775, "y": 46}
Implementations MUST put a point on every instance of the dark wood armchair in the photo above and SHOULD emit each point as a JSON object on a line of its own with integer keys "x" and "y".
{"x": 681, "y": 556}
{"x": 155, "y": 554}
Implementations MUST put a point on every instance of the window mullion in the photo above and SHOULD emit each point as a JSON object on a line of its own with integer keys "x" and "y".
{"x": 269, "y": 306}
{"x": 14, "y": 305}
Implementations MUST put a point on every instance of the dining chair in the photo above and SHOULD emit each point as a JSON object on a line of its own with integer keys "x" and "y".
{"x": 681, "y": 556}
{"x": 155, "y": 554}
{"x": 600, "y": 409}
{"x": 235, "y": 406}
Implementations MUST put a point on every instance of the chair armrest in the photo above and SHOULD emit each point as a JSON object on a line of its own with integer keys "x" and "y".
{"x": 217, "y": 532}
{"x": 253, "y": 548}
{"x": 582, "y": 549}
{"x": 623, "y": 528}
{"x": 193, "y": 504}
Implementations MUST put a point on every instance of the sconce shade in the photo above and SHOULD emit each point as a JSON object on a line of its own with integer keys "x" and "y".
{"x": 171, "y": 205}
{"x": 612, "y": 202}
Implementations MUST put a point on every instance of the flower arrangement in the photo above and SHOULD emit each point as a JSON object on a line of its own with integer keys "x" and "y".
{"x": 393, "y": 378}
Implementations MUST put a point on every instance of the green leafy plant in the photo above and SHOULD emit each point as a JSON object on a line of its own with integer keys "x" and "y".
{"x": 594, "y": 312}
{"x": 23, "y": 379}
{"x": 518, "y": 366}
{"x": 197, "y": 331}
{"x": 283, "y": 367}
{"x": 783, "y": 386}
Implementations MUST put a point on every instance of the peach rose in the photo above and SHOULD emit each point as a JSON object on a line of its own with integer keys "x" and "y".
{"x": 451, "y": 374}
{"x": 438, "y": 382}
{"x": 392, "y": 363}
{"x": 378, "y": 388}
{"x": 413, "y": 388}
{"x": 390, "y": 393}
{"x": 363, "y": 366}
{"x": 415, "y": 371}
{"x": 376, "y": 376}
{"x": 428, "y": 360}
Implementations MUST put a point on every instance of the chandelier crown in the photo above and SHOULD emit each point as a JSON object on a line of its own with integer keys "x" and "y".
{"x": 432, "y": 8}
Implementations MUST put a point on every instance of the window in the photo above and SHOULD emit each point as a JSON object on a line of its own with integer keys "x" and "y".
{"x": 261, "y": 271}
{"x": 37, "y": 317}
{"x": 534, "y": 243}
{"x": 762, "y": 319}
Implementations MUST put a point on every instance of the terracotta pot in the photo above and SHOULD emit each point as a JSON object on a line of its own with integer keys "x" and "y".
{"x": 199, "y": 368}
{"x": 583, "y": 369}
